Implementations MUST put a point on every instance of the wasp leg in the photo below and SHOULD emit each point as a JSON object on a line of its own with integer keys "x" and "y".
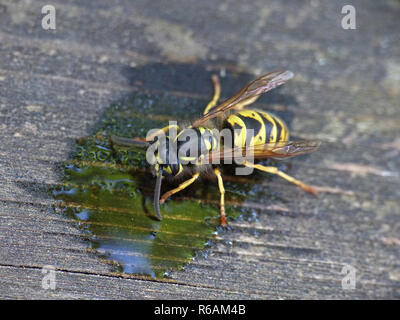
{"x": 222, "y": 192}
{"x": 217, "y": 92}
{"x": 275, "y": 170}
{"x": 182, "y": 186}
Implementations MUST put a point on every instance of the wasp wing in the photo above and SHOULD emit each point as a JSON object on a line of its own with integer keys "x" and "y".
{"x": 285, "y": 149}
{"x": 248, "y": 94}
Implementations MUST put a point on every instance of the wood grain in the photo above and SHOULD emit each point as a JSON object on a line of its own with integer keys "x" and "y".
{"x": 54, "y": 85}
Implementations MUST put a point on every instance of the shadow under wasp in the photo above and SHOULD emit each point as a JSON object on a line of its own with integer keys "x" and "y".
{"x": 269, "y": 139}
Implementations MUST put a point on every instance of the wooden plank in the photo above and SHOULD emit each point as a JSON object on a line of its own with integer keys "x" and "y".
{"x": 55, "y": 85}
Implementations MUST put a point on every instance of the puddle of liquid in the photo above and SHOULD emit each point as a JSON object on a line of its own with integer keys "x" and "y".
{"x": 108, "y": 191}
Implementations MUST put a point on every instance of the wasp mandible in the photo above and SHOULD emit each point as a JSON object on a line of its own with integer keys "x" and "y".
{"x": 269, "y": 139}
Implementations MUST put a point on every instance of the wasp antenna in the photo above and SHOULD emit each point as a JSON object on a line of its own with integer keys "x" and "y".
{"x": 157, "y": 192}
{"x": 128, "y": 142}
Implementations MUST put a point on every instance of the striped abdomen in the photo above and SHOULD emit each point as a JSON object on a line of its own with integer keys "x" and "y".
{"x": 267, "y": 128}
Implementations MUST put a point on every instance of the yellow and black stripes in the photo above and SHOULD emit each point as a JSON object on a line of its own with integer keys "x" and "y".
{"x": 267, "y": 128}
{"x": 203, "y": 143}
{"x": 211, "y": 143}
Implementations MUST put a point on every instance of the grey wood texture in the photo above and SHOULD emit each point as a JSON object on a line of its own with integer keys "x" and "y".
{"x": 54, "y": 85}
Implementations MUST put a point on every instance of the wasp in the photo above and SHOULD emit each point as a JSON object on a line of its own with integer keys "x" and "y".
{"x": 269, "y": 139}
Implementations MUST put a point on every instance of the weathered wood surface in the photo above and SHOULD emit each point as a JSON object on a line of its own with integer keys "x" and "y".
{"x": 55, "y": 84}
